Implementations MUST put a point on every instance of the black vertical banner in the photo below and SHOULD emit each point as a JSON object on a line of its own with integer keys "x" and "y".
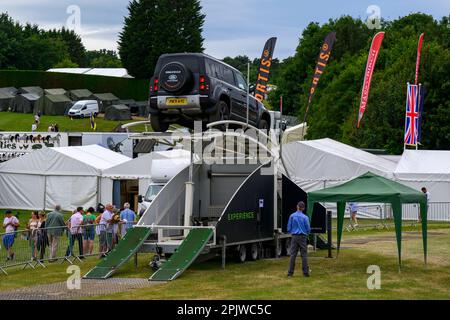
{"x": 322, "y": 60}
{"x": 264, "y": 69}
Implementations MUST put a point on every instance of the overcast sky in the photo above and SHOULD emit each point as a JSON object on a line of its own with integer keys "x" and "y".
{"x": 232, "y": 27}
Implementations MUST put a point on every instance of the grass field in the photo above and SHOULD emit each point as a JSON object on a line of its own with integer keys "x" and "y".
{"x": 22, "y": 122}
{"x": 341, "y": 278}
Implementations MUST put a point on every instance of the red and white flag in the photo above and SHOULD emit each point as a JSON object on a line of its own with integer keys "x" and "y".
{"x": 371, "y": 61}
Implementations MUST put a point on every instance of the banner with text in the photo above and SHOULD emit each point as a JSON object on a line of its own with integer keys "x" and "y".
{"x": 371, "y": 61}
{"x": 264, "y": 69}
{"x": 322, "y": 61}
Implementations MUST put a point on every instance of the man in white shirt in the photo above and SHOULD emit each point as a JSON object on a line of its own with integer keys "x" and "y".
{"x": 427, "y": 193}
{"x": 76, "y": 232}
{"x": 10, "y": 224}
{"x": 353, "y": 206}
{"x": 107, "y": 228}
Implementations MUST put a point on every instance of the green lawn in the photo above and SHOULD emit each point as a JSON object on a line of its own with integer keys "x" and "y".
{"x": 342, "y": 278}
{"x": 22, "y": 122}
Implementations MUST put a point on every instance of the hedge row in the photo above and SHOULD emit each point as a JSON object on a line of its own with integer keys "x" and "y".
{"x": 124, "y": 88}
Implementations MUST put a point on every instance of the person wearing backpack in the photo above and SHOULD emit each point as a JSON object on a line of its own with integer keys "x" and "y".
{"x": 89, "y": 231}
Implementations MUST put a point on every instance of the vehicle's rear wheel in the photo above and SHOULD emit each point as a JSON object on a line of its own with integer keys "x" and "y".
{"x": 222, "y": 113}
{"x": 157, "y": 124}
{"x": 263, "y": 124}
{"x": 241, "y": 253}
{"x": 254, "y": 251}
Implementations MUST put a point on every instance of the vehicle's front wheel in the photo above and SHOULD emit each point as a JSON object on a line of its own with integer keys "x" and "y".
{"x": 157, "y": 124}
{"x": 82, "y": 116}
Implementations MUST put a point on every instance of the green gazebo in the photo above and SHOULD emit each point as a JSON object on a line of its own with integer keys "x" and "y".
{"x": 373, "y": 188}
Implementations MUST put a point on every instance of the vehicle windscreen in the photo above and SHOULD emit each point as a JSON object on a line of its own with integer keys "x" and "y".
{"x": 77, "y": 106}
{"x": 152, "y": 192}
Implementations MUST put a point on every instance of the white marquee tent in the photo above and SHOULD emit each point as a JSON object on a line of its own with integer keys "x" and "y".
{"x": 69, "y": 176}
{"x": 318, "y": 164}
{"x": 423, "y": 168}
{"x": 137, "y": 169}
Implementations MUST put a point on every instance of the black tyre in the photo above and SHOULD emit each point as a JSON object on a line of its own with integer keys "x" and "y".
{"x": 222, "y": 113}
{"x": 82, "y": 116}
{"x": 241, "y": 253}
{"x": 175, "y": 77}
{"x": 157, "y": 124}
{"x": 253, "y": 251}
{"x": 263, "y": 124}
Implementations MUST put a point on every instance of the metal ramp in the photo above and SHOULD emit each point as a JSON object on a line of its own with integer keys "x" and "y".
{"x": 123, "y": 251}
{"x": 185, "y": 255}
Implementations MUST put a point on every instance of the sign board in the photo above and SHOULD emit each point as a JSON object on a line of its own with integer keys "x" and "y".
{"x": 16, "y": 144}
{"x": 117, "y": 142}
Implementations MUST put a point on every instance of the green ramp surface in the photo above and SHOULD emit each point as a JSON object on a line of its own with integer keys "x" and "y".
{"x": 185, "y": 255}
{"x": 124, "y": 250}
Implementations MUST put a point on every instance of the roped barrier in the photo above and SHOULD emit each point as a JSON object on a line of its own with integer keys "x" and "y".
{"x": 34, "y": 248}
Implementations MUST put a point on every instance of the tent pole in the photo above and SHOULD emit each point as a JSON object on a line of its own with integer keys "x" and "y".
{"x": 397, "y": 208}
{"x": 45, "y": 192}
{"x": 340, "y": 224}
{"x": 424, "y": 218}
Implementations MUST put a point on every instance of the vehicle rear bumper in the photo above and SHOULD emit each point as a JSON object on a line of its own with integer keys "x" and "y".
{"x": 196, "y": 104}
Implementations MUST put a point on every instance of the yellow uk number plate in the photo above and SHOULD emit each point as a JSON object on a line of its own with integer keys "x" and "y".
{"x": 176, "y": 101}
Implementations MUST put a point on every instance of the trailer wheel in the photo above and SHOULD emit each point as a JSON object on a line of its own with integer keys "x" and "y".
{"x": 287, "y": 246}
{"x": 279, "y": 248}
{"x": 241, "y": 253}
{"x": 254, "y": 251}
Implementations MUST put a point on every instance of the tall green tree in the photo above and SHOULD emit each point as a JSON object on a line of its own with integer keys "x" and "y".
{"x": 154, "y": 27}
{"x": 103, "y": 59}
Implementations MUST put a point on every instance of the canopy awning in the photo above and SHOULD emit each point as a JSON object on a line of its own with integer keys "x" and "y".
{"x": 373, "y": 188}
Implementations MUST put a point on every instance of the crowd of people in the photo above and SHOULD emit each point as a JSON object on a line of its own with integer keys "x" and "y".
{"x": 108, "y": 224}
{"x": 37, "y": 121}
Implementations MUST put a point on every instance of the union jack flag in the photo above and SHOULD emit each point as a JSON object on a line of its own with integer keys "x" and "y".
{"x": 412, "y": 115}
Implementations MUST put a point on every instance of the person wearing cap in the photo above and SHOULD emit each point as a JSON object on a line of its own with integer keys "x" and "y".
{"x": 10, "y": 223}
{"x": 299, "y": 228}
{"x": 56, "y": 226}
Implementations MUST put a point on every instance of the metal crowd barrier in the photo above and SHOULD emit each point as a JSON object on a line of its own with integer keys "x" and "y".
{"x": 35, "y": 248}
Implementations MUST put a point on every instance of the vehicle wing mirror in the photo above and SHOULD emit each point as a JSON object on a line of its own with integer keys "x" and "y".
{"x": 140, "y": 199}
{"x": 252, "y": 88}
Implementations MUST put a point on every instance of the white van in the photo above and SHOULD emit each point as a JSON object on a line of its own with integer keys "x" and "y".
{"x": 84, "y": 108}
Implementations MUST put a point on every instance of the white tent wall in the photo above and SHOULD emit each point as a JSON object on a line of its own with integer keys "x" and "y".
{"x": 69, "y": 176}
{"x": 21, "y": 191}
{"x": 106, "y": 190}
{"x": 429, "y": 169}
{"x": 78, "y": 192}
{"x": 323, "y": 163}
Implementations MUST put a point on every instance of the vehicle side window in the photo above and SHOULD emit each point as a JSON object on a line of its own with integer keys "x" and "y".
{"x": 228, "y": 76}
{"x": 211, "y": 69}
{"x": 241, "y": 83}
{"x": 84, "y": 108}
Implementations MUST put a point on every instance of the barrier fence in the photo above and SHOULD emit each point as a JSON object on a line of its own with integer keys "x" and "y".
{"x": 381, "y": 215}
{"x": 34, "y": 248}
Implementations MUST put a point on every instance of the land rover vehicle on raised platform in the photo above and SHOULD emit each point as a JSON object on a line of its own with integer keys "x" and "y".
{"x": 188, "y": 87}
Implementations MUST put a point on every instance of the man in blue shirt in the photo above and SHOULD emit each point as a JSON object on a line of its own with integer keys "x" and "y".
{"x": 127, "y": 216}
{"x": 298, "y": 226}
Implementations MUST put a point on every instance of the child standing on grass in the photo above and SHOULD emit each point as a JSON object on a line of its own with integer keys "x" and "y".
{"x": 10, "y": 224}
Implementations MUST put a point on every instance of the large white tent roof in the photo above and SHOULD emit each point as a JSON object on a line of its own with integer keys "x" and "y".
{"x": 141, "y": 167}
{"x": 109, "y": 72}
{"x": 84, "y": 161}
{"x": 311, "y": 164}
{"x": 423, "y": 165}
